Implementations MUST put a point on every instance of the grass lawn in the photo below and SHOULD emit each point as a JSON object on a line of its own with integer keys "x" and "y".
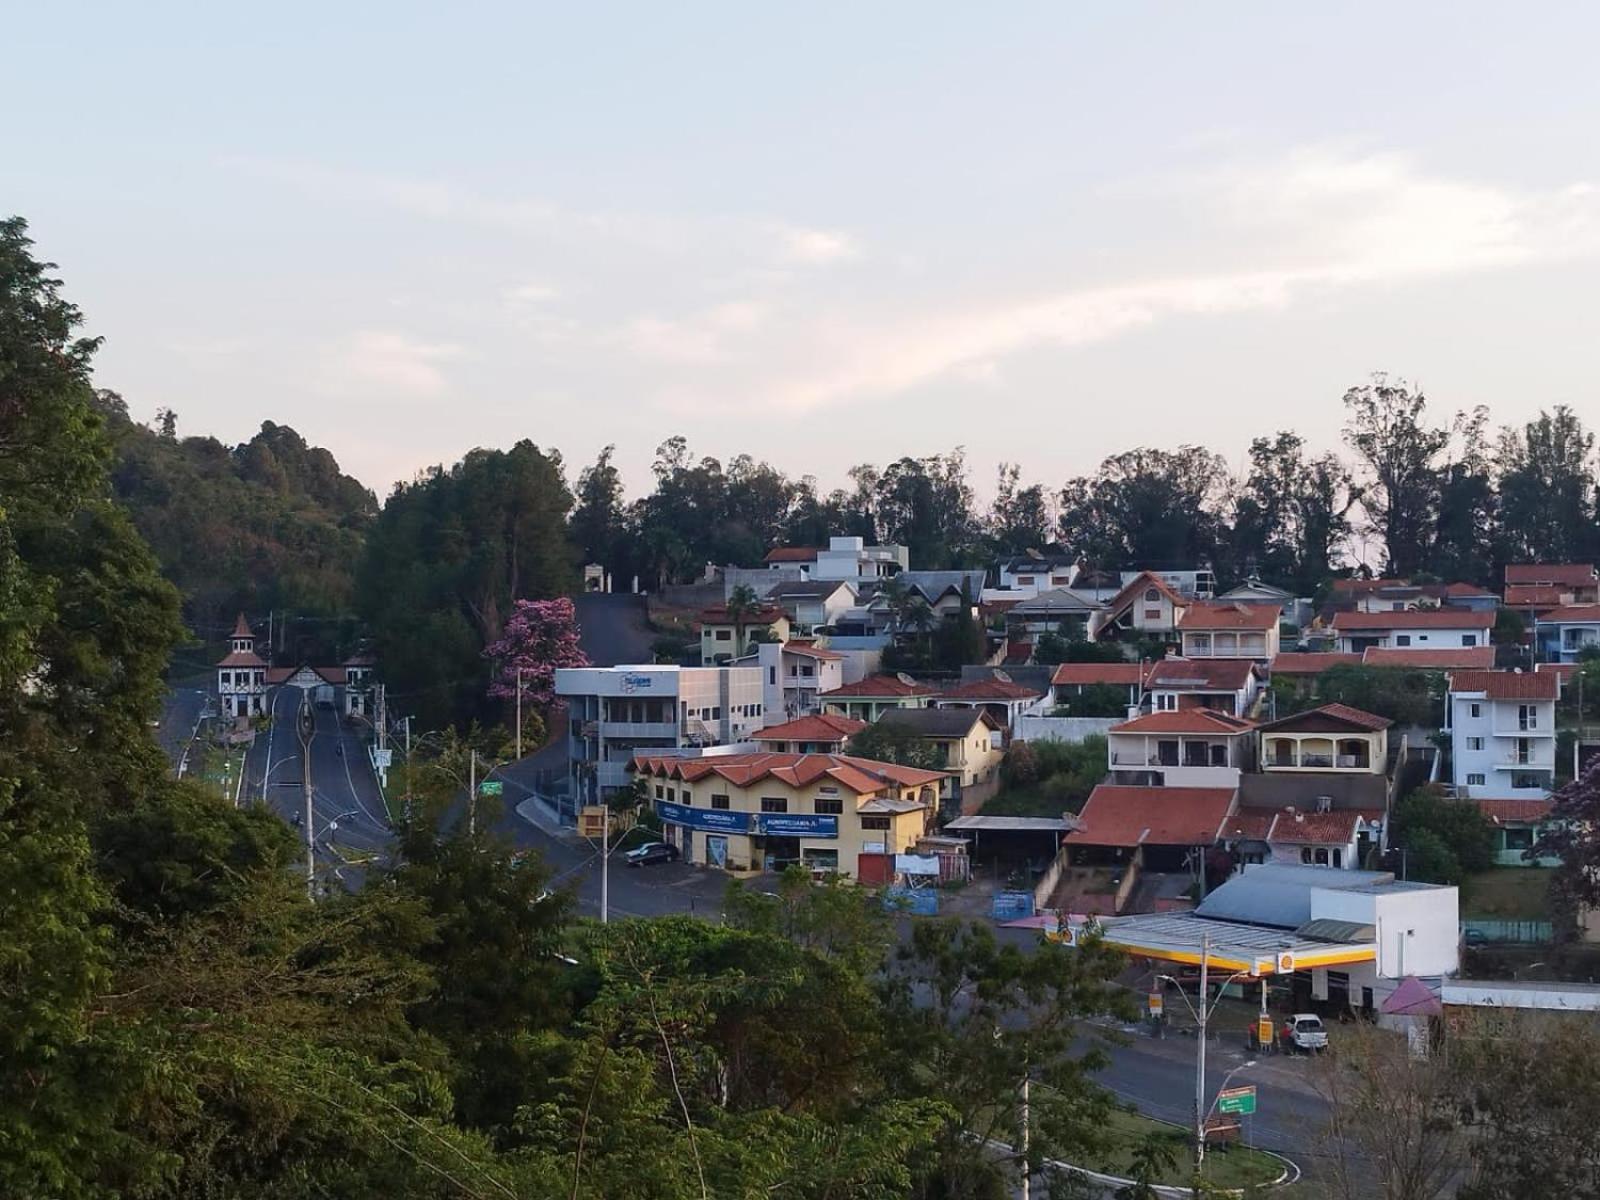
{"x": 1234, "y": 1167}
{"x": 1508, "y": 894}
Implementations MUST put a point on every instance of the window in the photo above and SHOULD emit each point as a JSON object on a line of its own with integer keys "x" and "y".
{"x": 774, "y": 804}
{"x": 670, "y": 796}
{"x": 1475, "y": 780}
{"x": 1402, "y": 639}
{"x": 1527, "y": 717}
{"x": 879, "y": 823}
{"x": 772, "y": 676}
{"x": 1397, "y": 606}
{"x": 724, "y": 635}
{"x": 1166, "y": 701}
{"x": 719, "y": 801}
{"x": 1469, "y": 639}
{"x": 829, "y": 807}
{"x": 1305, "y": 855}
{"x": 1152, "y": 596}
{"x": 1025, "y": 580}
{"x": 1519, "y": 839}
{"x": 807, "y": 672}
{"x": 1474, "y": 743}
{"x": 660, "y": 791}
{"x": 1474, "y": 710}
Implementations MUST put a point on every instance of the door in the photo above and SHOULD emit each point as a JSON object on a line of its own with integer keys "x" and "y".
{"x": 716, "y": 850}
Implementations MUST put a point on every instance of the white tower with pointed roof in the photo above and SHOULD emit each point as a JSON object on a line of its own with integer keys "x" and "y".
{"x": 242, "y": 675}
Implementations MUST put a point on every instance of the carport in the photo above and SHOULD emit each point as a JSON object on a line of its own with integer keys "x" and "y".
{"x": 1006, "y": 843}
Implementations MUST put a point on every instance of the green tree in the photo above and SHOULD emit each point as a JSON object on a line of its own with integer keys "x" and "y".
{"x": 1445, "y": 839}
{"x": 1547, "y": 489}
{"x": 887, "y": 742}
{"x": 1153, "y": 508}
{"x": 1388, "y": 429}
{"x": 599, "y": 523}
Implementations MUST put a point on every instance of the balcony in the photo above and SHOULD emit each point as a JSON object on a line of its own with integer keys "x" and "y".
{"x": 638, "y": 729}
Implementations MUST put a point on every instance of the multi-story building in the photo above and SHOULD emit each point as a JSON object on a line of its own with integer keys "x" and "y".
{"x": 725, "y": 636}
{"x": 811, "y": 604}
{"x": 1420, "y": 629}
{"x": 1146, "y": 607}
{"x": 615, "y": 713}
{"x": 868, "y": 699}
{"x": 1333, "y": 738}
{"x": 967, "y": 743}
{"x": 1563, "y": 634}
{"x": 795, "y": 673}
{"x": 242, "y": 675}
{"x": 1194, "y": 748}
{"x": 1502, "y": 727}
{"x": 1228, "y": 685}
{"x": 1539, "y": 587}
{"x": 817, "y": 733}
{"x": 744, "y": 812}
{"x": 1230, "y": 631}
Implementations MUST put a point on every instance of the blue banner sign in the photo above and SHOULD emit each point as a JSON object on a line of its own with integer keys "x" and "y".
{"x": 921, "y": 902}
{"x": 796, "y": 825}
{"x": 1012, "y": 906}
{"x": 717, "y": 820}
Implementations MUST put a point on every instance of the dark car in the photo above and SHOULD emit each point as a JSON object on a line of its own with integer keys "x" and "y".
{"x": 650, "y": 852}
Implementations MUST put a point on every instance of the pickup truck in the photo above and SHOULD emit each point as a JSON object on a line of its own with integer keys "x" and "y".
{"x": 1305, "y": 1032}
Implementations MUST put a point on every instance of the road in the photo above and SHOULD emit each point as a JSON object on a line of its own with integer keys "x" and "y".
{"x": 349, "y": 819}
{"x": 180, "y": 712}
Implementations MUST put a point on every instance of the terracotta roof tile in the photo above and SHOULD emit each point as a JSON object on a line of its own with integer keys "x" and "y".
{"x": 241, "y": 658}
{"x": 1417, "y": 618}
{"x": 1138, "y": 816}
{"x": 819, "y": 727}
{"x": 1535, "y": 595}
{"x": 241, "y": 628}
{"x": 1188, "y": 720}
{"x": 792, "y": 554}
{"x": 1445, "y": 658}
{"x": 1500, "y": 811}
{"x": 1507, "y": 685}
{"x": 1230, "y": 616}
{"x": 1201, "y": 674}
{"x": 1573, "y": 614}
{"x": 1249, "y": 824}
{"x": 1567, "y": 573}
{"x": 861, "y": 775}
{"x": 1135, "y": 587}
{"x": 880, "y": 687}
{"x": 1340, "y": 713}
{"x": 1330, "y": 828}
{"x": 807, "y": 650}
{"x": 1122, "y": 673}
{"x": 763, "y": 614}
{"x": 989, "y": 689}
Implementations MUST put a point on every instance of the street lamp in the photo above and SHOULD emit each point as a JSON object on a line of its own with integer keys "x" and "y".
{"x": 1202, "y": 1016}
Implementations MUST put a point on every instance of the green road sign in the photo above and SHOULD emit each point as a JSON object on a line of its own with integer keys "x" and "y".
{"x": 490, "y": 787}
{"x": 1238, "y": 1101}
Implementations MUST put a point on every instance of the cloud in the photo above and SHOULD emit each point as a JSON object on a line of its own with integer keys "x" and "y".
{"x": 814, "y": 246}
{"x": 388, "y": 363}
{"x": 530, "y": 293}
{"x": 699, "y": 339}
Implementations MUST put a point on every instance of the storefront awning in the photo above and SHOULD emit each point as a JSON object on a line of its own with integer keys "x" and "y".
{"x": 1229, "y": 947}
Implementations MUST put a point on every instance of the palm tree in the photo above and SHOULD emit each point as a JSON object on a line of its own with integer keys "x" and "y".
{"x": 741, "y": 606}
{"x": 918, "y": 616}
{"x": 896, "y": 595}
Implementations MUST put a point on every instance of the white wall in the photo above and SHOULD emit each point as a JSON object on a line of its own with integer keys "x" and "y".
{"x": 1061, "y": 729}
{"x": 1497, "y": 747}
{"x": 1432, "y": 914}
{"x": 1420, "y": 639}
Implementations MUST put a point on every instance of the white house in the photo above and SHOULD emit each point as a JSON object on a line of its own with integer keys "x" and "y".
{"x": 1321, "y": 837}
{"x": 1230, "y": 631}
{"x": 616, "y": 712}
{"x": 1200, "y": 584}
{"x": 242, "y": 675}
{"x": 1563, "y": 634}
{"x": 811, "y": 604}
{"x": 1029, "y": 574}
{"x": 1197, "y": 747}
{"x": 851, "y": 559}
{"x": 1147, "y": 606}
{"x": 794, "y": 674}
{"x": 1502, "y": 727}
{"x": 1421, "y": 629}
{"x": 1229, "y": 685}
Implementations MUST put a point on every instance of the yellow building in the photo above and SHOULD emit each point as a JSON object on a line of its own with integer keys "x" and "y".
{"x": 751, "y": 812}
{"x": 966, "y": 740}
{"x": 724, "y": 638}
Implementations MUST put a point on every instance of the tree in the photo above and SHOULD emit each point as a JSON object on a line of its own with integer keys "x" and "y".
{"x": 540, "y": 638}
{"x": 888, "y": 742}
{"x": 1292, "y": 514}
{"x": 925, "y": 504}
{"x": 1405, "y": 695}
{"x": 1153, "y": 508}
{"x": 1387, "y": 427}
{"x": 1463, "y": 540}
{"x": 1095, "y": 700}
{"x": 1547, "y": 489}
{"x": 599, "y": 525}
{"x": 1020, "y": 517}
{"x": 742, "y": 604}
{"x": 1573, "y": 836}
{"x": 1445, "y": 839}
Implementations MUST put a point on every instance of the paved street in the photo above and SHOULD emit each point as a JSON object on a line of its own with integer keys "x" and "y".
{"x": 180, "y": 710}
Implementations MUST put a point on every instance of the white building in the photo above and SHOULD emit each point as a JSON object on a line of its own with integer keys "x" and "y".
{"x": 1200, "y": 584}
{"x": 1230, "y": 631}
{"x": 811, "y": 604}
{"x": 1420, "y": 629}
{"x": 794, "y": 674}
{"x": 1229, "y": 685}
{"x": 1191, "y": 748}
{"x": 1502, "y": 727}
{"x": 1563, "y": 634}
{"x": 242, "y": 675}
{"x": 852, "y": 560}
{"x": 616, "y": 712}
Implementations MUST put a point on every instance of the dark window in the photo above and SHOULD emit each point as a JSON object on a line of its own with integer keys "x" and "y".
{"x": 1469, "y": 639}
{"x": 1402, "y": 639}
{"x": 660, "y": 791}
{"x": 827, "y": 806}
{"x": 724, "y": 635}
{"x": 1519, "y": 839}
{"x": 719, "y": 801}
{"x": 881, "y": 823}
{"x": 774, "y": 804}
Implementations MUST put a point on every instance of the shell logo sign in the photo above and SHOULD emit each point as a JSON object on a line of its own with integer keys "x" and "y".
{"x": 1285, "y": 962}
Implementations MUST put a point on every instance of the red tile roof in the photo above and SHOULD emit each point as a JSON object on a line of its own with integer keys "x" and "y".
{"x": 1249, "y": 824}
{"x": 1507, "y": 685}
{"x": 1230, "y": 616}
{"x": 1334, "y": 828}
{"x": 808, "y": 650}
{"x": 1343, "y": 714}
{"x": 1139, "y": 816}
{"x": 1123, "y": 673}
{"x": 1465, "y": 589}
{"x": 1417, "y": 618}
{"x": 241, "y": 628}
{"x": 241, "y": 658}
{"x": 1188, "y": 720}
{"x": 1018, "y": 653}
{"x": 792, "y": 554}
{"x": 1562, "y": 671}
{"x": 1568, "y": 573}
{"x": 1501, "y": 811}
{"x": 1365, "y": 587}
{"x": 763, "y": 614}
{"x": 1201, "y": 674}
{"x": 819, "y": 727}
{"x": 1292, "y": 663}
{"x": 1134, "y": 589}
{"x": 1445, "y": 658}
{"x": 989, "y": 689}
{"x": 861, "y": 775}
{"x": 1575, "y": 614}
{"x": 879, "y": 687}
{"x": 1535, "y": 595}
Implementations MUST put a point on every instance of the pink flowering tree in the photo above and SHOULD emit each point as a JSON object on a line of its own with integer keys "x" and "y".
{"x": 541, "y": 636}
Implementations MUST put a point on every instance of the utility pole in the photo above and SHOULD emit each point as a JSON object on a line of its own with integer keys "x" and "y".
{"x": 307, "y": 732}
{"x": 408, "y": 742}
{"x": 519, "y": 714}
{"x": 383, "y": 718}
{"x": 1200, "y": 1064}
{"x": 1027, "y": 1172}
{"x": 605, "y": 867}
{"x": 472, "y": 793}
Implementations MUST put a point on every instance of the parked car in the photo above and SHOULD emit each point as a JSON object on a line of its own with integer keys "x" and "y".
{"x": 1305, "y": 1032}
{"x": 650, "y": 852}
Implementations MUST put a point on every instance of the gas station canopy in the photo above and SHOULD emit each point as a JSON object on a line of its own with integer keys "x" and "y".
{"x": 1229, "y": 947}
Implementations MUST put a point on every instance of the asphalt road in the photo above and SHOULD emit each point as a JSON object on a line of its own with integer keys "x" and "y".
{"x": 349, "y": 820}
{"x": 180, "y": 712}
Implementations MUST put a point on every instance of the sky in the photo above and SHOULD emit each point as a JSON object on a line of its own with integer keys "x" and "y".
{"x": 819, "y": 234}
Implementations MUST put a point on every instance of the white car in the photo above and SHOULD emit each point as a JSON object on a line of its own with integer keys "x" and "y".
{"x": 1306, "y": 1033}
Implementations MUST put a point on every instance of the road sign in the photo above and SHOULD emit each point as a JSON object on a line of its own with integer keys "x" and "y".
{"x": 592, "y": 820}
{"x": 382, "y": 759}
{"x": 1157, "y": 1004}
{"x": 1240, "y": 1101}
{"x": 491, "y": 787}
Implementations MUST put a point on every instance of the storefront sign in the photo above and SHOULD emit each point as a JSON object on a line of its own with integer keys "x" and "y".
{"x": 717, "y": 820}
{"x": 796, "y": 825}
{"x": 637, "y": 683}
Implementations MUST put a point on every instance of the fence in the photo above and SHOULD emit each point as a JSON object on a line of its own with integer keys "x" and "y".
{"x": 1012, "y": 906}
{"x": 1525, "y": 932}
{"x": 920, "y": 902}
{"x": 1046, "y": 886}
{"x": 1061, "y": 729}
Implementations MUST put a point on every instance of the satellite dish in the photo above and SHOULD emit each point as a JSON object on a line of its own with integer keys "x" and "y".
{"x": 905, "y": 679}
{"x": 1002, "y": 677}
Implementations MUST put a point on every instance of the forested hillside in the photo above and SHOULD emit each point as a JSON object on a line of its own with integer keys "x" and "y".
{"x": 269, "y": 524}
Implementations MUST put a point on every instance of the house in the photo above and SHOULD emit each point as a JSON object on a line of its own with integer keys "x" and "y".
{"x": 868, "y": 699}
{"x": 1230, "y": 631}
{"x": 1428, "y": 629}
{"x": 1323, "y": 838}
{"x": 1071, "y": 680}
{"x": 1332, "y": 738}
{"x": 751, "y": 812}
{"x": 1502, "y": 728}
{"x": 1563, "y": 673}
{"x": 1034, "y": 572}
{"x": 241, "y": 675}
{"x": 1058, "y": 610}
{"x": 1228, "y": 685}
{"x": 1138, "y": 829}
{"x": 1197, "y": 747}
{"x": 1302, "y": 669}
{"x": 852, "y": 560}
{"x": 1444, "y": 658}
{"x": 1563, "y": 634}
{"x": 1253, "y": 591}
{"x": 795, "y": 673}
{"x": 1543, "y": 586}
{"x": 818, "y": 733}
{"x": 1199, "y": 584}
{"x": 1518, "y": 825}
{"x": 801, "y": 559}
{"x": 614, "y": 713}
{"x": 812, "y": 604}
{"x": 1002, "y": 698}
{"x": 968, "y": 742}
{"x": 1146, "y": 607}
{"x": 1401, "y": 595}
{"x": 725, "y": 636}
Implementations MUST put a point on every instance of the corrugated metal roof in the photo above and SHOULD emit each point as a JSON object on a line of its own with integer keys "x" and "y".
{"x": 982, "y": 824}
{"x": 1326, "y": 929}
{"x": 1280, "y": 896}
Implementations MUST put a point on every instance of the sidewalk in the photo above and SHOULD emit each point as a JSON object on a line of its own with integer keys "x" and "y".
{"x": 536, "y": 812}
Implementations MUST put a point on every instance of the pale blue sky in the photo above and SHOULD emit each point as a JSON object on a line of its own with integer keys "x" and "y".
{"x": 819, "y": 234}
